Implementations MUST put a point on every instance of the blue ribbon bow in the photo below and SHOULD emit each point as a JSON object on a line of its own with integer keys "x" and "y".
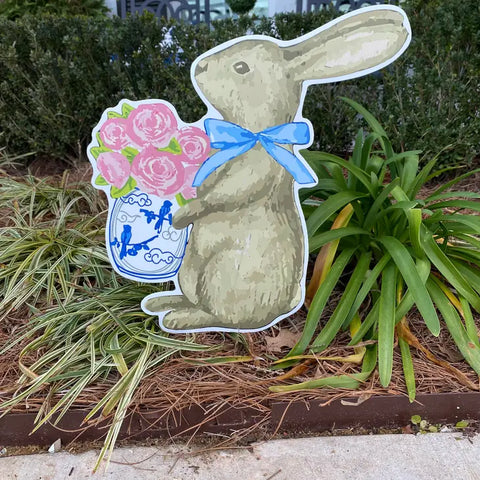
{"x": 233, "y": 141}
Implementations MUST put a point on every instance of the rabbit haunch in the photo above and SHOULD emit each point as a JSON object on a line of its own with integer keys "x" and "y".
{"x": 244, "y": 267}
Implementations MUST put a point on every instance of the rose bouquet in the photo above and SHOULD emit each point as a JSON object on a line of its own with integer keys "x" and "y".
{"x": 144, "y": 147}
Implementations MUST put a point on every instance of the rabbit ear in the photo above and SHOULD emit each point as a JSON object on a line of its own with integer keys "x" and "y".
{"x": 353, "y": 45}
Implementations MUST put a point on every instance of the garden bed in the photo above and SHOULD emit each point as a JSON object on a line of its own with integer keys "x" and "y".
{"x": 231, "y": 402}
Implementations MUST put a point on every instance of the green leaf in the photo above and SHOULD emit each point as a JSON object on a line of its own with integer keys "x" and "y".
{"x": 328, "y": 208}
{"x": 451, "y": 183}
{"x": 181, "y": 200}
{"x": 99, "y": 139}
{"x": 471, "y": 274}
{"x": 378, "y": 204}
{"x": 126, "y": 110}
{"x": 113, "y": 114}
{"x": 173, "y": 147}
{"x": 467, "y": 253}
{"x": 414, "y": 216}
{"x": 422, "y": 177}
{"x": 127, "y": 188}
{"x": 423, "y": 268}
{"x": 462, "y": 424}
{"x": 366, "y": 160}
{"x": 457, "y": 204}
{"x": 452, "y": 194}
{"x": 416, "y": 286}
{"x": 367, "y": 286}
{"x": 386, "y": 323}
{"x": 342, "y": 310}
{"x": 328, "y": 186}
{"x": 470, "y": 325}
{"x": 101, "y": 181}
{"x": 369, "y": 118}
{"x": 408, "y": 371}
{"x": 129, "y": 153}
{"x": 469, "y": 350}
{"x": 96, "y": 151}
{"x": 409, "y": 170}
{"x": 350, "y": 167}
{"x": 350, "y": 382}
{"x": 416, "y": 419}
{"x": 320, "y": 300}
{"x": 321, "y": 239}
{"x": 318, "y": 167}
{"x": 369, "y": 321}
{"x": 117, "y": 356}
{"x": 357, "y": 149}
{"x": 448, "y": 270}
{"x": 393, "y": 221}
{"x": 471, "y": 221}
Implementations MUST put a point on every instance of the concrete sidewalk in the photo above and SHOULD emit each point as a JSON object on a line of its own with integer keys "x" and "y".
{"x": 379, "y": 457}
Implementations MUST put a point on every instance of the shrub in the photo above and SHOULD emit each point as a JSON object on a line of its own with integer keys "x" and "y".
{"x": 431, "y": 95}
{"x": 57, "y": 75}
{"x": 13, "y": 9}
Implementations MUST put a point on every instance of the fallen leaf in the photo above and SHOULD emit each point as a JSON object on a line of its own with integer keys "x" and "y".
{"x": 285, "y": 338}
{"x": 407, "y": 430}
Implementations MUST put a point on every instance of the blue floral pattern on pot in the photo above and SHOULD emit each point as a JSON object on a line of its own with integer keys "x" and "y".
{"x": 141, "y": 241}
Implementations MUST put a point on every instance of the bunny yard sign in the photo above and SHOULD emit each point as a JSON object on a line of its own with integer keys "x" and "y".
{"x": 213, "y": 206}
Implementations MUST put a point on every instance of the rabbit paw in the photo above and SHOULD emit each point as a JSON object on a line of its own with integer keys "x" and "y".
{"x": 161, "y": 303}
{"x": 186, "y": 215}
{"x": 189, "y": 319}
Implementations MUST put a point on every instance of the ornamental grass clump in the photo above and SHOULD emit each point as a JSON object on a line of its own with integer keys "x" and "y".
{"x": 393, "y": 251}
{"x": 100, "y": 336}
{"x": 84, "y": 324}
{"x": 51, "y": 243}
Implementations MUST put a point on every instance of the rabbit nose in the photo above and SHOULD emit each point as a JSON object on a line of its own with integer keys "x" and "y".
{"x": 201, "y": 67}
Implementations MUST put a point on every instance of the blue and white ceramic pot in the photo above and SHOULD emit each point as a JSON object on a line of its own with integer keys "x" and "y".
{"x": 141, "y": 241}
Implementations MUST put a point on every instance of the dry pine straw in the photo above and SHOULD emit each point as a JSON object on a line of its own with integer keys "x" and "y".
{"x": 178, "y": 384}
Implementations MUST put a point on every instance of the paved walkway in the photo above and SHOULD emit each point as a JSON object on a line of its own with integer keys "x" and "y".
{"x": 379, "y": 457}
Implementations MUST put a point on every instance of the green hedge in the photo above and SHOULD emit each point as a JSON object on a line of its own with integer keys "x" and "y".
{"x": 57, "y": 75}
{"x": 13, "y": 9}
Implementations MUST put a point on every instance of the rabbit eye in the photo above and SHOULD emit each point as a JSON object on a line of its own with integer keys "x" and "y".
{"x": 241, "y": 68}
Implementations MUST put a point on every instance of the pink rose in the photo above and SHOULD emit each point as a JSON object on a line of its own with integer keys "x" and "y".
{"x": 187, "y": 190}
{"x": 114, "y": 168}
{"x": 195, "y": 144}
{"x": 114, "y": 134}
{"x": 152, "y": 124}
{"x": 160, "y": 173}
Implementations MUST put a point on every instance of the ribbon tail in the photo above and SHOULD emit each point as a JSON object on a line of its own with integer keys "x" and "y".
{"x": 290, "y": 162}
{"x": 218, "y": 159}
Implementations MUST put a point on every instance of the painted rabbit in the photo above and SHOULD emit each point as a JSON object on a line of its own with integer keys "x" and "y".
{"x": 245, "y": 263}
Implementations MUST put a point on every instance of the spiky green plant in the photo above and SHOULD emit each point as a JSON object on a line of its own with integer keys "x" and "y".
{"x": 395, "y": 251}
